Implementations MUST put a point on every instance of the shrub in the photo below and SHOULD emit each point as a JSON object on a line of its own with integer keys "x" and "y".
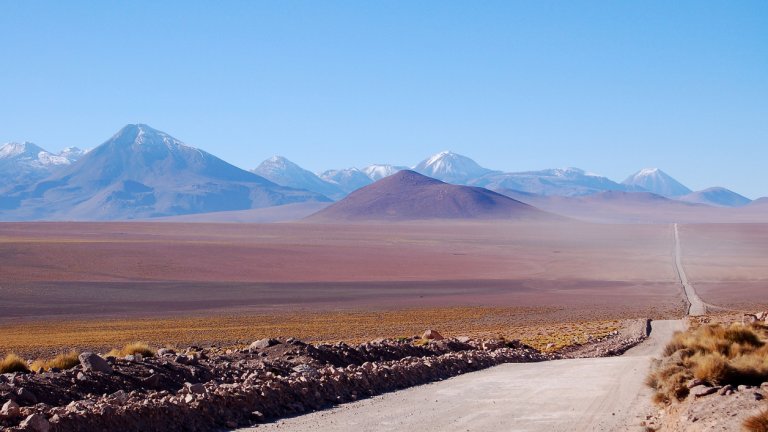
{"x": 61, "y": 361}
{"x": 715, "y": 354}
{"x": 757, "y": 423}
{"x": 13, "y": 363}
{"x": 133, "y": 349}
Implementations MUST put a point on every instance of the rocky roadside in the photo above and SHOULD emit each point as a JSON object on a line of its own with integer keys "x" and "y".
{"x": 711, "y": 409}
{"x": 215, "y": 389}
{"x": 617, "y": 343}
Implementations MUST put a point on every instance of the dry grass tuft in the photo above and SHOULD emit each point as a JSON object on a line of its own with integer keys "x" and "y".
{"x": 715, "y": 354}
{"x": 132, "y": 349}
{"x": 13, "y": 363}
{"x": 757, "y": 423}
{"x": 61, "y": 361}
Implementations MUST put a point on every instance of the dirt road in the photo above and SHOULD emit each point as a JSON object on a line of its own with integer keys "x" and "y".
{"x": 696, "y": 305}
{"x": 598, "y": 394}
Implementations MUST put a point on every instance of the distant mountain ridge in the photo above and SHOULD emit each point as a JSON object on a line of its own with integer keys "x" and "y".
{"x": 716, "y": 196}
{"x": 141, "y": 172}
{"x": 450, "y": 167}
{"x": 24, "y": 163}
{"x": 280, "y": 170}
{"x": 379, "y": 171}
{"x": 657, "y": 181}
{"x": 564, "y": 182}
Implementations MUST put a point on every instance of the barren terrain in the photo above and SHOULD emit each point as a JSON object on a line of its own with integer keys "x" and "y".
{"x": 728, "y": 263}
{"x": 151, "y": 281}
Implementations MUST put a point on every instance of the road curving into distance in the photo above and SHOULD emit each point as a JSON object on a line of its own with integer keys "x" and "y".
{"x": 592, "y": 394}
{"x": 696, "y": 305}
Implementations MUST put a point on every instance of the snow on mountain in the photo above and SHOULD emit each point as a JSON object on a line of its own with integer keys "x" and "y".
{"x": 716, "y": 196}
{"x": 560, "y": 181}
{"x": 451, "y": 168}
{"x": 141, "y": 172}
{"x": 286, "y": 173}
{"x": 72, "y": 153}
{"x": 657, "y": 181}
{"x": 379, "y": 171}
{"x": 348, "y": 180}
{"x": 24, "y": 163}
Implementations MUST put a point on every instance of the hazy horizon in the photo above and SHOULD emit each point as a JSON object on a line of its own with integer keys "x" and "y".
{"x": 607, "y": 87}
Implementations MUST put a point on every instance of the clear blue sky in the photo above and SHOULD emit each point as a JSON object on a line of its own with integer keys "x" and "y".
{"x": 607, "y": 86}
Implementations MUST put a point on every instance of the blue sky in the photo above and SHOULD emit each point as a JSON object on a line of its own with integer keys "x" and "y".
{"x": 607, "y": 86}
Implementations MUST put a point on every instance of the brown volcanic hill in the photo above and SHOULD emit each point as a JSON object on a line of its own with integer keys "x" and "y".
{"x": 408, "y": 195}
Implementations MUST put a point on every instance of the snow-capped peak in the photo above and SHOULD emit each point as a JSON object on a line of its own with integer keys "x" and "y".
{"x": 657, "y": 181}
{"x": 379, "y": 171}
{"x": 16, "y": 149}
{"x": 451, "y": 167}
{"x": 279, "y": 166}
{"x": 645, "y": 172}
{"x": 445, "y": 154}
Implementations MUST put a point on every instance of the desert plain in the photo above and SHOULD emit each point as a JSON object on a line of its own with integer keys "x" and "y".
{"x": 96, "y": 285}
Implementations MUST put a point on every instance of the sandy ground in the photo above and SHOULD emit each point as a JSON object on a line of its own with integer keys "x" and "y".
{"x": 728, "y": 263}
{"x": 602, "y": 394}
{"x": 92, "y": 270}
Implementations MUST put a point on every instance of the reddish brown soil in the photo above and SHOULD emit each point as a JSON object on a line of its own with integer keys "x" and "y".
{"x": 728, "y": 263}
{"x": 79, "y": 270}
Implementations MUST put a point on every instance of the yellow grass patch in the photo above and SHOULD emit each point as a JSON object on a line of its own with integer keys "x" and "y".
{"x": 13, "y": 363}
{"x": 757, "y": 423}
{"x": 714, "y": 353}
{"x": 523, "y": 323}
{"x": 133, "y": 348}
{"x": 61, "y": 361}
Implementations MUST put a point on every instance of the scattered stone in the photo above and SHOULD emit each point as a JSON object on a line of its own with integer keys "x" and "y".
{"x": 36, "y": 423}
{"x": 119, "y": 396}
{"x": 26, "y": 397}
{"x": 307, "y": 370}
{"x": 152, "y": 381}
{"x": 10, "y": 409}
{"x": 165, "y": 351}
{"x": 297, "y": 377}
{"x": 726, "y": 390}
{"x": 195, "y": 388}
{"x": 432, "y": 334}
{"x": 702, "y": 390}
{"x": 262, "y": 344}
{"x": 93, "y": 362}
{"x": 693, "y": 383}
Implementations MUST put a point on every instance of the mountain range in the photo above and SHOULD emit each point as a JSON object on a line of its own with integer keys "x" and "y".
{"x": 141, "y": 172}
{"x": 457, "y": 169}
{"x": 25, "y": 163}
